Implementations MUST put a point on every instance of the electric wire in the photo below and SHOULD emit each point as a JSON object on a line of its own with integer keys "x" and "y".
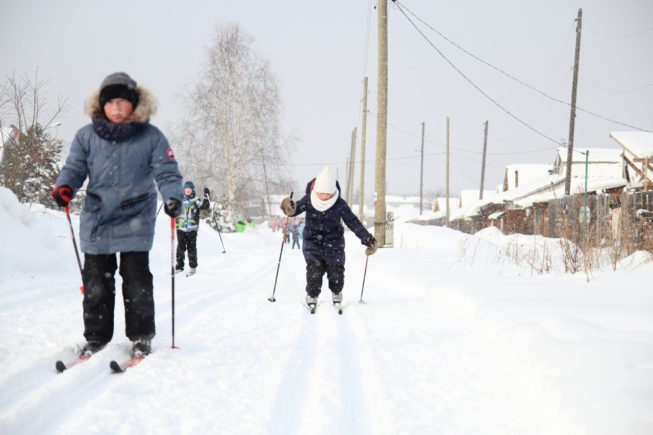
{"x": 632, "y": 35}
{"x": 463, "y": 149}
{"x": 401, "y": 7}
{"x": 625, "y": 91}
{"x": 485, "y": 94}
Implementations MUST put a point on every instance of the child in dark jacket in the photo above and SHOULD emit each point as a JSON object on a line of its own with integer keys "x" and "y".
{"x": 324, "y": 241}
{"x": 188, "y": 223}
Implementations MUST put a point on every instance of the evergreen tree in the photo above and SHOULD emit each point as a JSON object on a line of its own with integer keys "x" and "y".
{"x": 29, "y": 165}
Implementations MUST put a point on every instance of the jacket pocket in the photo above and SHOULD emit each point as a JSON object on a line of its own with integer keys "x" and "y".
{"x": 92, "y": 202}
{"x": 132, "y": 202}
{"x": 90, "y": 217}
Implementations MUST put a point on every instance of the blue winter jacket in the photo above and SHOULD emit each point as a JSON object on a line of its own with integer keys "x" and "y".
{"x": 323, "y": 231}
{"x": 122, "y": 163}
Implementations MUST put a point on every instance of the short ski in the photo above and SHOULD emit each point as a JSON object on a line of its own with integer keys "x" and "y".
{"x": 121, "y": 367}
{"x": 338, "y": 307}
{"x": 63, "y": 366}
{"x": 312, "y": 308}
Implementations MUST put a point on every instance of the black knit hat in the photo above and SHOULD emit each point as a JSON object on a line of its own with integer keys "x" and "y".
{"x": 118, "y": 85}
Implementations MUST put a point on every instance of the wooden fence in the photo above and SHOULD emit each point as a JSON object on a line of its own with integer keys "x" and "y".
{"x": 598, "y": 220}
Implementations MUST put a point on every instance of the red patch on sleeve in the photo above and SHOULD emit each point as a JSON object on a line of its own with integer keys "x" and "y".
{"x": 170, "y": 155}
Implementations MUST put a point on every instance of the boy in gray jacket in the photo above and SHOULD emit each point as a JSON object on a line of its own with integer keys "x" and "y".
{"x": 124, "y": 158}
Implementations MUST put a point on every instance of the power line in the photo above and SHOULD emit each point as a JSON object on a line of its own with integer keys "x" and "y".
{"x": 496, "y": 103}
{"x": 632, "y": 35}
{"x": 461, "y": 171}
{"x": 625, "y": 91}
{"x": 466, "y": 150}
{"x": 510, "y": 76}
{"x": 371, "y": 161}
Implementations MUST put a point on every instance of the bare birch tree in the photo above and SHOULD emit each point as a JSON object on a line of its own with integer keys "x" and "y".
{"x": 230, "y": 137}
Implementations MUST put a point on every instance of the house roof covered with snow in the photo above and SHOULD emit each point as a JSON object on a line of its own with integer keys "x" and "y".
{"x": 639, "y": 143}
{"x": 596, "y": 155}
{"x": 520, "y": 174}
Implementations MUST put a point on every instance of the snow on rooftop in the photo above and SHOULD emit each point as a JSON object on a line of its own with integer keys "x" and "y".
{"x": 522, "y": 174}
{"x": 596, "y": 155}
{"x": 640, "y": 143}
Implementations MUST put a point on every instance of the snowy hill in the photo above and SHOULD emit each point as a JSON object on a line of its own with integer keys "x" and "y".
{"x": 451, "y": 340}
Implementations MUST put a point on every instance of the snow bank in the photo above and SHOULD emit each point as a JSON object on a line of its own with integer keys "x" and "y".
{"x": 454, "y": 338}
{"x": 34, "y": 239}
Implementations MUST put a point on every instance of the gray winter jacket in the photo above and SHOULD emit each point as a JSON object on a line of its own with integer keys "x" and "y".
{"x": 122, "y": 163}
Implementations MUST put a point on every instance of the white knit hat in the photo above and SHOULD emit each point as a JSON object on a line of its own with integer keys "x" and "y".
{"x": 325, "y": 182}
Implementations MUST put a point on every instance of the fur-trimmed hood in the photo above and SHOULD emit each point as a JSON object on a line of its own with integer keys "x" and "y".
{"x": 144, "y": 110}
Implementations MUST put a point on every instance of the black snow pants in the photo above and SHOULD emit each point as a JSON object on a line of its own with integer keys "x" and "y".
{"x": 314, "y": 273}
{"x": 186, "y": 241}
{"x": 100, "y": 292}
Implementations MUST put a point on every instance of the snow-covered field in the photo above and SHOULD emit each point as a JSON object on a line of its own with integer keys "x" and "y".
{"x": 452, "y": 339}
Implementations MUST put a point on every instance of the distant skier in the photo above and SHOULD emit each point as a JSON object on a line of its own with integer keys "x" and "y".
{"x": 187, "y": 225}
{"x": 294, "y": 231}
{"x": 122, "y": 155}
{"x": 324, "y": 241}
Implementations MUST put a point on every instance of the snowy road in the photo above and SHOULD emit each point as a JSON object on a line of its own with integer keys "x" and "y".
{"x": 438, "y": 347}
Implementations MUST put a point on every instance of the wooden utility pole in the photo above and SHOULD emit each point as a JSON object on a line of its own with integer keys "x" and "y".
{"x": 480, "y": 195}
{"x": 361, "y": 190}
{"x": 448, "y": 214}
{"x": 350, "y": 171}
{"x": 572, "y": 116}
{"x": 381, "y": 123}
{"x": 421, "y": 175}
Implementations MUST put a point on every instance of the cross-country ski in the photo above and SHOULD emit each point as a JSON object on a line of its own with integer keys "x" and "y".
{"x": 121, "y": 367}
{"x": 62, "y": 366}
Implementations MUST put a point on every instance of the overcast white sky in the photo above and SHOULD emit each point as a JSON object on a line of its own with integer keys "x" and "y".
{"x": 320, "y": 52}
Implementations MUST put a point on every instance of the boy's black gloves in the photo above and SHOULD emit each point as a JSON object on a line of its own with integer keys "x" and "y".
{"x": 206, "y": 193}
{"x": 288, "y": 206}
{"x": 371, "y": 244}
{"x": 172, "y": 207}
{"x": 62, "y": 195}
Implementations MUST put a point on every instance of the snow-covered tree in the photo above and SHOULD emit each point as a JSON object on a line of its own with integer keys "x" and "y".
{"x": 30, "y": 154}
{"x": 230, "y": 137}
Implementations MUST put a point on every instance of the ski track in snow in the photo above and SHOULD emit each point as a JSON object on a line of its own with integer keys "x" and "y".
{"x": 324, "y": 389}
{"x": 424, "y": 354}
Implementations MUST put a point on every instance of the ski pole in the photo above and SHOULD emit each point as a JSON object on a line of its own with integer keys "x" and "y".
{"x": 217, "y": 226}
{"x": 172, "y": 275}
{"x": 283, "y": 242}
{"x": 72, "y": 233}
{"x": 224, "y": 251}
{"x": 367, "y": 257}
{"x": 157, "y": 212}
